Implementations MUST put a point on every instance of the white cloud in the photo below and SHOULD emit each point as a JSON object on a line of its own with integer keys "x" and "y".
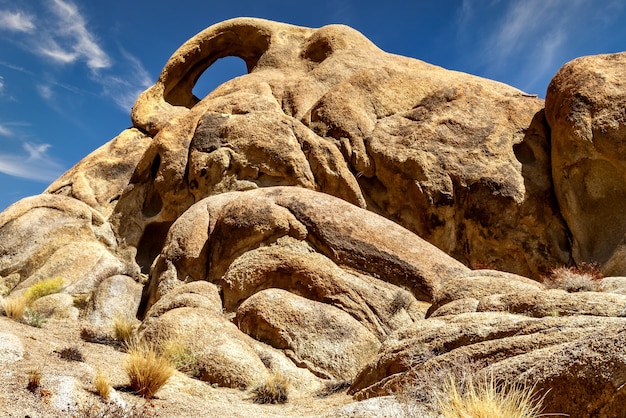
{"x": 4, "y": 131}
{"x": 79, "y": 42}
{"x": 37, "y": 165}
{"x": 125, "y": 90}
{"x": 1, "y": 85}
{"x": 16, "y": 21}
{"x": 45, "y": 91}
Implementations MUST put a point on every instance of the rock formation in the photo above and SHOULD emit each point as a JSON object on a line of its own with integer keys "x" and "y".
{"x": 343, "y": 214}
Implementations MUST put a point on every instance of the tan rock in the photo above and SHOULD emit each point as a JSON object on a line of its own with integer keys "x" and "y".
{"x": 115, "y": 297}
{"x": 58, "y": 306}
{"x": 295, "y": 266}
{"x": 225, "y": 355}
{"x": 585, "y": 109}
{"x": 555, "y": 303}
{"x": 491, "y": 343}
{"x": 324, "y": 339}
{"x": 479, "y": 283}
{"x": 100, "y": 178}
{"x": 462, "y": 161}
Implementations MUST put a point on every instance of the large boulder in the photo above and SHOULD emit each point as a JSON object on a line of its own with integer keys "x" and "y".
{"x": 585, "y": 109}
{"x": 462, "y": 161}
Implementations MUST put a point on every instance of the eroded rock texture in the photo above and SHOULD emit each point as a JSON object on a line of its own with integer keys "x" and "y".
{"x": 343, "y": 214}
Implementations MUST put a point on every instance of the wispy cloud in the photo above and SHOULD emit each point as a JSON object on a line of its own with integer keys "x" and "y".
{"x": 528, "y": 39}
{"x": 1, "y": 85}
{"x": 33, "y": 164}
{"x": 71, "y": 40}
{"x": 63, "y": 37}
{"x": 16, "y": 21}
{"x": 45, "y": 91}
{"x": 125, "y": 90}
{"x": 4, "y": 131}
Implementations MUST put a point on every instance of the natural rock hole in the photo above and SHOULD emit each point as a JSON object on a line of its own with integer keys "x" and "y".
{"x": 219, "y": 72}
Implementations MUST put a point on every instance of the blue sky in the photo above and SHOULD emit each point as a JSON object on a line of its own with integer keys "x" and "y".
{"x": 70, "y": 70}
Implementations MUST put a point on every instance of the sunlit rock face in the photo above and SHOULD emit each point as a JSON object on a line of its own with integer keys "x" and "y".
{"x": 344, "y": 214}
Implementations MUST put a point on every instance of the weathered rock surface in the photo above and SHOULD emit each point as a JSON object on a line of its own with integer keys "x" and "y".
{"x": 585, "y": 109}
{"x": 510, "y": 348}
{"x": 462, "y": 161}
{"x": 318, "y": 218}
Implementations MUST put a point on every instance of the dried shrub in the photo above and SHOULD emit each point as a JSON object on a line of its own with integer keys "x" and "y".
{"x": 273, "y": 390}
{"x": 95, "y": 335}
{"x": 71, "y": 354}
{"x": 102, "y": 384}
{"x": 484, "y": 399}
{"x": 34, "y": 380}
{"x": 584, "y": 278}
{"x": 147, "y": 369}
{"x": 332, "y": 387}
{"x": 95, "y": 409}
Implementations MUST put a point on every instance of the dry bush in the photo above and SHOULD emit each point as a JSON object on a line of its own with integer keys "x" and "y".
{"x": 332, "y": 387}
{"x": 95, "y": 335}
{"x": 71, "y": 354}
{"x": 15, "y": 307}
{"x": 124, "y": 329}
{"x": 43, "y": 288}
{"x": 102, "y": 384}
{"x": 147, "y": 369}
{"x": 584, "y": 278}
{"x": 273, "y": 390}
{"x": 486, "y": 399}
{"x": 111, "y": 409}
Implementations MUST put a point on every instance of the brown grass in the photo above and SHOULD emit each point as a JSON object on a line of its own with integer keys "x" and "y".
{"x": 14, "y": 307}
{"x": 486, "y": 399}
{"x": 124, "y": 329}
{"x": 147, "y": 370}
{"x": 273, "y": 390}
{"x": 103, "y": 387}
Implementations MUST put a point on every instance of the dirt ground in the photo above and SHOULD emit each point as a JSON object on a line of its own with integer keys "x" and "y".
{"x": 67, "y": 388}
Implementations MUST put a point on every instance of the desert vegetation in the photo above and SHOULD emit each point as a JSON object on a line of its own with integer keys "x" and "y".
{"x": 273, "y": 390}
{"x": 484, "y": 398}
{"x": 582, "y": 278}
{"x": 17, "y": 306}
{"x": 147, "y": 369}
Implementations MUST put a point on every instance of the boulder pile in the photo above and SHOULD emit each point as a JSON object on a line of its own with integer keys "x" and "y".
{"x": 340, "y": 213}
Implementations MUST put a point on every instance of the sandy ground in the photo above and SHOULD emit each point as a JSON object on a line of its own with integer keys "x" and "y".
{"x": 67, "y": 388}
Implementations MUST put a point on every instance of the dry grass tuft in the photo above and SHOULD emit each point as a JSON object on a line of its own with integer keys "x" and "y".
{"x": 14, "y": 307}
{"x": 584, "y": 278}
{"x": 486, "y": 399}
{"x": 147, "y": 370}
{"x": 273, "y": 390}
{"x": 124, "y": 329}
{"x": 34, "y": 380}
{"x": 102, "y": 384}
